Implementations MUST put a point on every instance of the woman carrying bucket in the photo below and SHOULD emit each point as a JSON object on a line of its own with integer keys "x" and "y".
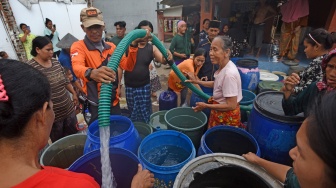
{"x": 189, "y": 68}
{"x": 227, "y": 93}
{"x": 314, "y": 156}
{"x": 293, "y": 105}
{"x": 26, "y": 118}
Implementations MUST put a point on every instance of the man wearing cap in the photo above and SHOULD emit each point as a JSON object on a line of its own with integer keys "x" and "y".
{"x": 89, "y": 59}
{"x": 208, "y": 69}
{"x": 65, "y": 59}
{"x": 120, "y": 30}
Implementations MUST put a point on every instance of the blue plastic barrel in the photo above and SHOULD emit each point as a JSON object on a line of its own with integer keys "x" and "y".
{"x": 227, "y": 139}
{"x": 123, "y": 162}
{"x": 122, "y": 135}
{"x": 274, "y": 132}
{"x": 164, "y": 153}
{"x": 235, "y": 59}
{"x": 249, "y": 73}
{"x": 167, "y": 100}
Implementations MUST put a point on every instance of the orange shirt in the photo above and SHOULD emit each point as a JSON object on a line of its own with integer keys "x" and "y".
{"x": 84, "y": 57}
{"x": 52, "y": 177}
{"x": 174, "y": 82}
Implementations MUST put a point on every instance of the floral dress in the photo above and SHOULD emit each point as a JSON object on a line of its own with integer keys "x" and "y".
{"x": 313, "y": 73}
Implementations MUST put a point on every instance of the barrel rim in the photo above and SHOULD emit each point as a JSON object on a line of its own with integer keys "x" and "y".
{"x": 275, "y": 117}
{"x": 247, "y": 66}
{"x": 113, "y": 139}
{"x": 156, "y": 114}
{"x": 185, "y": 129}
{"x": 96, "y": 153}
{"x": 233, "y": 129}
{"x": 232, "y": 159}
{"x": 168, "y": 169}
{"x": 59, "y": 141}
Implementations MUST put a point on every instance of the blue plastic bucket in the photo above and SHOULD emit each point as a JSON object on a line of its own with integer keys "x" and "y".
{"x": 122, "y": 135}
{"x": 164, "y": 153}
{"x": 249, "y": 73}
{"x": 123, "y": 162}
{"x": 274, "y": 132}
{"x": 248, "y": 97}
{"x": 195, "y": 98}
{"x": 246, "y": 104}
{"x": 227, "y": 139}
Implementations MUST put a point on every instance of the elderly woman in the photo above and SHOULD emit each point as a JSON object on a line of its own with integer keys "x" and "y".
{"x": 65, "y": 115}
{"x": 187, "y": 67}
{"x": 317, "y": 44}
{"x": 227, "y": 91}
{"x": 26, "y": 119}
{"x": 293, "y": 105}
{"x": 314, "y": 156}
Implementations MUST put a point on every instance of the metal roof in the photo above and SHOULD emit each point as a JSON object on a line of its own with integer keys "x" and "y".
{"x": 180, "y": 2}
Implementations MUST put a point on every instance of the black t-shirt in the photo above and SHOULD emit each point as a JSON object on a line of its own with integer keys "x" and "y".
{"x": 139, "y": 76}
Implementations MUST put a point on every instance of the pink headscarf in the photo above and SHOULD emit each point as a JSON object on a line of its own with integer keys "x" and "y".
{"x": 180, "y": 23}
{"x": 294, "y": 9}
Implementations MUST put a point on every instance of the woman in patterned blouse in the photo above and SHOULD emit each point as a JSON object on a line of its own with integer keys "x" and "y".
{"x": 317, "y": 44}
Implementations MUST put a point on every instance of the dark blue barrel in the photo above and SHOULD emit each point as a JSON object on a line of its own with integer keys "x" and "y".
{"x": 123, "y": 162}
{"x": 164, "y": 153}
{"x": 274, "y": 132}
{"x": 122, "y": 135}
{"x": 167, "y": 100}
{"x": 249, "y": 73}
{"x": 227, "y": 139}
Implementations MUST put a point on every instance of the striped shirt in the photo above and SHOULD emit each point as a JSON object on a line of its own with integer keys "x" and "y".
{"x": 63, "y": 106}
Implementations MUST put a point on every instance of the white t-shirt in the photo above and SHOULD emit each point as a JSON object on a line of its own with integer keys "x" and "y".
{"x": 227, "y": 83}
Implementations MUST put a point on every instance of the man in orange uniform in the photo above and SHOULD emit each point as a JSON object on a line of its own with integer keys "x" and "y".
{"x": 89, "y": 59}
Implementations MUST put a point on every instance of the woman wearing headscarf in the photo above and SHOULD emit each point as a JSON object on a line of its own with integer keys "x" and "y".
{"x": 293, "y": 105}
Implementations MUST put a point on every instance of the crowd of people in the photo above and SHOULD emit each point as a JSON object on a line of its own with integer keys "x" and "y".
{"x": 65, "y": 69}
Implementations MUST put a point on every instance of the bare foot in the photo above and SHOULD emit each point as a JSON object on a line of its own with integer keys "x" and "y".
{"x": 280, "y": 58}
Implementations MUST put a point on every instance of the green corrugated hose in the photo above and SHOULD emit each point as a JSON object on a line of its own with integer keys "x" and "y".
{"x": 106, "y": 89}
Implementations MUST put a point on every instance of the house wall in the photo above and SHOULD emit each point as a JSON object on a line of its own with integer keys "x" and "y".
{"x": 130, "y": 11}
{"x": 64, "y": 16}
{"x": 5, "y": 44}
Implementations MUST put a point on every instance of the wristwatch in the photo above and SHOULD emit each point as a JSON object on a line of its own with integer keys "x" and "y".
{"x": 88, "y": 73}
